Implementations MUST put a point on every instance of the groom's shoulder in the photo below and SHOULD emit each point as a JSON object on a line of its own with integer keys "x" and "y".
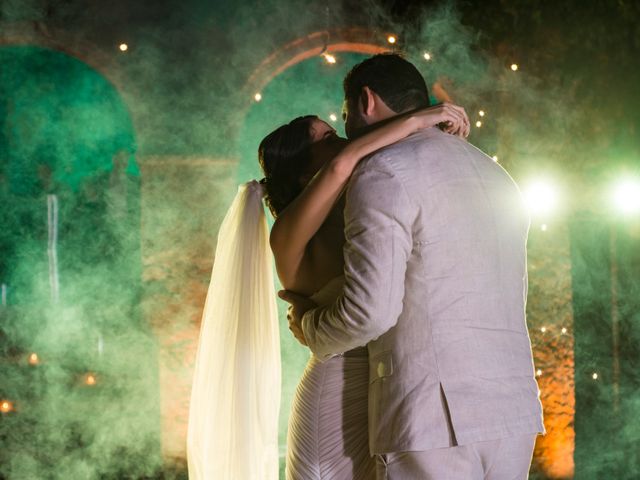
{"x": 398, "y": 154}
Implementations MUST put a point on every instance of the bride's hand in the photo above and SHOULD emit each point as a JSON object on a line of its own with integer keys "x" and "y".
{"x": 449, "y": 117}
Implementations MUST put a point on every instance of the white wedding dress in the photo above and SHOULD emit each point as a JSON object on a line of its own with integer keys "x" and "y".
{"x": 328, "y": 436}
{"x": 235, "y": 398}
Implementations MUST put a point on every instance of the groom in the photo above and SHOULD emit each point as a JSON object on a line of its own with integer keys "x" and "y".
{"x": 436, "y": 286}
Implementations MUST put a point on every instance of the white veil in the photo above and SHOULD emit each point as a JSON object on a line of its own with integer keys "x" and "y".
{"x": 235, "y": 398}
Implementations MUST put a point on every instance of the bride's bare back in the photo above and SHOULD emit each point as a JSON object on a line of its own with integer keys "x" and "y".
{"x": 324, "y": 260}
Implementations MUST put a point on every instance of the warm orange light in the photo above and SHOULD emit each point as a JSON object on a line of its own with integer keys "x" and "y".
{"x": 391, "y": 39}
{"x": 33, "y": 359}
{"x": 514, "y": 67}
{"x": 6, "y": 406}
{"x": 90, "y": 379}
{"x": 478, "y": 124}
{"x": 123, "y": 47}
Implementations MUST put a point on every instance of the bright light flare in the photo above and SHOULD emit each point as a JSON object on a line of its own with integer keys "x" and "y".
{"x": 478, "y": 124}
{"x": 392, "y": 39}
{"x": 627, "y": 196}
{"x": 541, "y": 198}
{"x": 427, "y": 56}
{"x": 514, "y": 67}
{"x": 123, "y": 47}
{"x": 481, "y": 113}
{"x": 90, "y": 379}
{"x": 6, "y": 406}
{"x": 329, "y": 58}
{"x": 257, "y": 97}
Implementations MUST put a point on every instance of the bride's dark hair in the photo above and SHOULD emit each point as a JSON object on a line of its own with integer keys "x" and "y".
{"x": 284, "y": 157}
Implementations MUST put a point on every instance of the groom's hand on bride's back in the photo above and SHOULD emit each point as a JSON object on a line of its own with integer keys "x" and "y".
{"x": 299, "y": 306}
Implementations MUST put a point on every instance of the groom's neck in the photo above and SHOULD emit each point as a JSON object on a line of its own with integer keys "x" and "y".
{"x": 374, "y": 126}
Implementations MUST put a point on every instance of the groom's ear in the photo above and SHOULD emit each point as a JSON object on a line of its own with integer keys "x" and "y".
{"x": 367, "y": 101}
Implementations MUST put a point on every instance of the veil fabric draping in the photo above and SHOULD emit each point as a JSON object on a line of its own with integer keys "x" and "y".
{"x": 235, "y": 398}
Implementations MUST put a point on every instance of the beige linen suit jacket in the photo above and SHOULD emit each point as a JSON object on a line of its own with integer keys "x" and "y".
{"x": 436, "y": 286}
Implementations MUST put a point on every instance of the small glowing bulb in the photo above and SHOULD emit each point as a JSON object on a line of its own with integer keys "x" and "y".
{"x": 90, "y": 379}
{"x": 564, "y": 330}
{"x": 543, "y": 329}
{"x": 6, "y": 406}
{"x": 391, "y": 39}
{"x": 538, "y": 372}
{"x": 333, "y": 117}
{"x": 481, "y": 113}
{"x": 329, "y": 58}
{"x": 33, "y": 359}
{"x": 514, "y": 67}
{"x": 544, "y": 227}
{"x": 495, "y": 158}
{"x": 257, "y": 97}
{"x": 594, "y": 376}
{"x": 427, "y": 56}
{"x": 478, "y": 124}
{"x": 124, "y": 47}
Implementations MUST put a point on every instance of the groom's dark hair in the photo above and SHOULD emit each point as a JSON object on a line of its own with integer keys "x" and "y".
{"x": 396, "y": 80}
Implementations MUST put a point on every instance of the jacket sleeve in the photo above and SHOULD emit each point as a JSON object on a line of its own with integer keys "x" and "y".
{"x": 378, "y": 220}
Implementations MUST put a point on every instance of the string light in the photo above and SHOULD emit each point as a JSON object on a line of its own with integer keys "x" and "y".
{"x": 257, "y": 97}
{"x": 329, "y": 58}
{"x": 90, "y": 379}
{"x": 543, "y": 329}
{"x": 333, "y": 117}
{"x": 6, "y": 406}
{"x": 123, "y": 47}
{"x": 538, "y": 372}
{"x": 33, "y": 359}
{"x": 495, "y": 158}
{"x": 564, "y": 330}
{"x": 514, "y": 67}
{"x": 427, "y": 56}
{"x": 478, "y": 124}
{"x": 594, "y": 376}
{"x": 391, "y": 39}
{"x": 481, "y": 113}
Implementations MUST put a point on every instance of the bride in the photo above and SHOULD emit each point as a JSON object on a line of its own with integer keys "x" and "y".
{"x": 236, "y": 389}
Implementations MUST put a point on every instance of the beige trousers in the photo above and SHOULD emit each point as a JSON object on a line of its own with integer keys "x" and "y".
{"x": 505, "y": 459}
